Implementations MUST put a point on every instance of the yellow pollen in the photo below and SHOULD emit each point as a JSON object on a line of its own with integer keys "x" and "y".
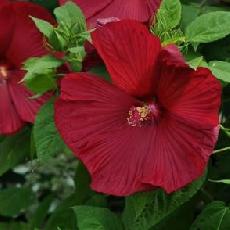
{"x": 143, "y": 111}
{"x": 140, "y": 116}
{"x": 3, "y": 72}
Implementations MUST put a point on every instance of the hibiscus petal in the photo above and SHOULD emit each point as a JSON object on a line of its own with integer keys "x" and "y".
{"x": 26, "y": 107}
{"x": 9, "y": 119}
{"x": 27, "y": 41}
{"x": 91, "y": 116}
{"x": 170, "y": 55}
{"x": 130, "y": 53}
{"x": 7, "y": 26}
{"x": 90, "y": 7}
{"x": 192, "y": 95}
{"x": 153, "y": 5}
{"x": 4, "y": 2}
{"x": 178, "y": 154}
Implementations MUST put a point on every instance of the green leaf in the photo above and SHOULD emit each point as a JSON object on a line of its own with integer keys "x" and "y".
{"x": 14, "y": 226}
{"x": 41, "y": 83}
{"x": 71, "y": 17}
{"x": 196, "y": 62}
{"x": 145, "y": 210}
{"x": 189, "y": 13}
{"x": 166, "y": 23}
{"x": 63, "y": 215}
{"x": 82, "y": 183}
{"x": 97, "y": 200}
{"x": 40, "y": 76}
{"x": 168, "y": 16}
{"x": 75, "y": 57}
{"x": 208, "y": 27}
{"x": 41, "y": 212}
{"x": 15, "y": 200}
{"x": 37, "y": 65}
{"x": 14, "y": 149}
{"x": 89, "y": 218}
{"x": 215, "y": 216}
{"x": 79, "y": 51}
{"x": 47, "y": 140}
{"x": 44, "y": 27}
{"x": 221, "y": 70}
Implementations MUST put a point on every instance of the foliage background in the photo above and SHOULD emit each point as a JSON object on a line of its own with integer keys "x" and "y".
{"x": 44, "y": 188}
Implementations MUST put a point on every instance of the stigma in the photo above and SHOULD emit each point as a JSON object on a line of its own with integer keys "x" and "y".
{"x": 3, "y": 73}
{"x": 147, "y": 114}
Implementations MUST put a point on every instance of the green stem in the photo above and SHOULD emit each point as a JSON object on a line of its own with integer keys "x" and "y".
{"x": 203, "y": 3}
{"x": 221, "y": 150}
{"x": 207, "y": 196}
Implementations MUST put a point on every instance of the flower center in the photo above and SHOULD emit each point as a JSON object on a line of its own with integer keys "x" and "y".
{"x": 140, "y": 116}
{"x": 3, "y": 72}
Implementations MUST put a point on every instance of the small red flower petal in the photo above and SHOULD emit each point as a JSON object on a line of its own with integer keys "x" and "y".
{"x": 19, "y": 40}
{"x": 129, "y": 9}
{"x": 26, "y": 41}
{"x": 25, "y": 106}
{"x": 10, "y": 122}
{"x": 7, "y": 28}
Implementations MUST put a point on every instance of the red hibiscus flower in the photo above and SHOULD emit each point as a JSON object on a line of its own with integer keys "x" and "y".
{"x": 155, "y": 126}
{"x": 140, "y": 10}
{"x": 19, "y": 40}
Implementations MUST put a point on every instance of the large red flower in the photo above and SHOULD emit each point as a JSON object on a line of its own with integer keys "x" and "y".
{"x": 19, "y": 40}
{"x": 140, "y": 10}
{"x": 155, "y": 126}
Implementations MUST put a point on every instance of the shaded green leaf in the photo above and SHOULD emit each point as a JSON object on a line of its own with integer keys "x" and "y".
{"x": 89, "y": 218}
{"x": 145, "y": 210}
{"x": 14, "y": 226}
{"x": 41, "y": 212}
{"x": 216, "y": 216}
{"x": 63, "y": 216}
{"x": 82, "y": 183}
{"x": 14, "y": 149}
{"x": 47, "y": 140}
{"x": 189, "y": 13}
{"x": 15, "y": 200}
